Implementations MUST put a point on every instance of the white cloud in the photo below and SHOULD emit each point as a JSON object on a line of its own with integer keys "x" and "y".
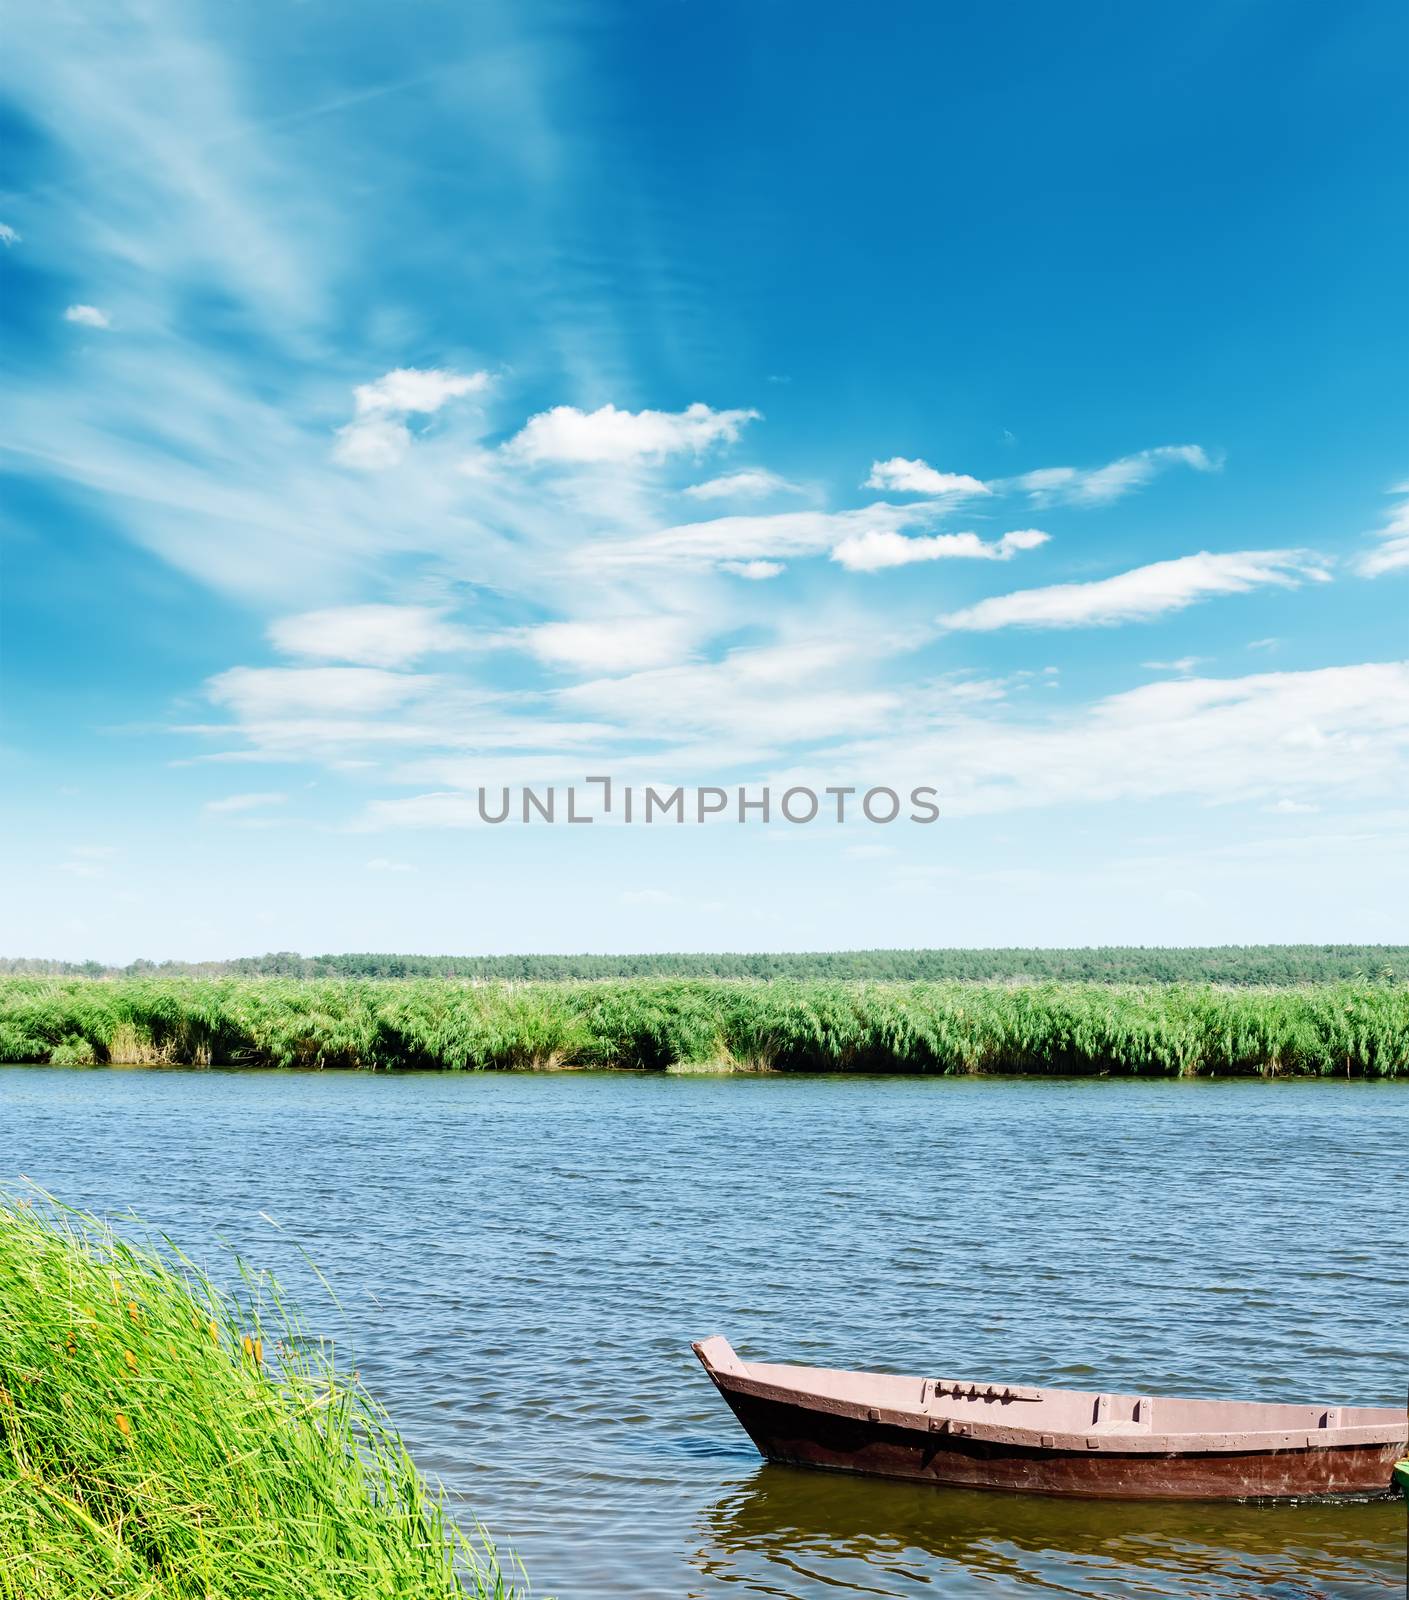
{"x": 1291, "y": 808}
{"x": 768, "y": 536}
{"x": 878, "y": 548}
{"x": 1393, "y": 552}
{"x": 751, "y": 483}
{"x": 372, "y": 636}
{"x": 620, "y": 437}
{"x": 1100, "y": 485}
{"x": 1267, "y": 737}
{"x": 244, "y": 802}
{"x": 407, "y": 389}
{"x": 8, "y": 236}
{"x": 1184, "y": 665}
{"x": 756, "y": 571}
{"x": 800, "y": 689}
{"x": 371, "y": 444}
{"x": 88, "y": 316}
{"x": 918, "y": 477}
{"x": 623, "y": 644}
{"x": 260, "y": 692}
{"x": 1142, "y": 593}
{"x": 378, "y": 437}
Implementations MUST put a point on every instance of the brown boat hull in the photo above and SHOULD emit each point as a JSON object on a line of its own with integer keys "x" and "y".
{"x": 1056, "y": 1441}
{"x": 799, "y": 1436}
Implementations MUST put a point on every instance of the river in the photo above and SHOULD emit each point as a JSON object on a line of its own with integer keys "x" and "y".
{"x": 522, "y": 1261}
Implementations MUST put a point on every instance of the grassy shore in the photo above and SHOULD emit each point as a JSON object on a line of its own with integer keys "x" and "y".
{"x": 160, "y": 1441}
{"x": 1341, "y": 1029}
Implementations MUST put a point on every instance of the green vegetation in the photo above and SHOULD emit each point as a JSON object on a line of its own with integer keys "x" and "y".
{"x": 1345, "y": 1029}
{"x": 159, "y": 1441}
{"x": 1252, "y": 964}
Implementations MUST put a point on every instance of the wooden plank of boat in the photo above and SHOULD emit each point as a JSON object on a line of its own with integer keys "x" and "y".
{"x": 1056, "y": 1441}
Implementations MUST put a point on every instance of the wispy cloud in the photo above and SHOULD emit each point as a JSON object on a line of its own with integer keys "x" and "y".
{"x": 607, "y": 435}
{"x": 236, "y": 803}
{"x": 8, "y": 236}
{"x": 804, "y": 688}
{"x": 372, "y": 636}
{"x": 1045, "y": 486}
{"x": 918, "y": 477}
{"x": 1184, "y": 665}
{"x": 1269, "y": 737}
{"x": 751, "y": 483}
{"x": 1095, "y": 486}
{"x": 378, "y": 435}
{"x": 1142, "y": 593}
{"x": 1392, "y": 554}
{"x": 877, "y": 549}
{"x": 755, "y": 571}
{"x": 253, "y": 693}
{"x": 766, "y": 536}
{"x": 622, "y": 644}
{"x": 87, "y": 316}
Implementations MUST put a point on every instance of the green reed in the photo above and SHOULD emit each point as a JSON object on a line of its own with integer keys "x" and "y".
{"x": 1343, "y": 1029}
{"x": 162, "y": 1440}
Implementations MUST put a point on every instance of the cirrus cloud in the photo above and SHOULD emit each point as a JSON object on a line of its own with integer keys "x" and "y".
{"x": 1393, "y": 551}
{"x": 1141, "y": 593}
{"x": 751, "y": 538}
{"x": 235, "y": 803}
{"x": 1096, "y": 486}
{"x": 751, "y": 483}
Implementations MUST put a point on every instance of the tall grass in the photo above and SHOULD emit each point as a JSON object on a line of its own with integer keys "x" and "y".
{"x": 160, "y": 1440}
{"x": 1341, "y": 1029}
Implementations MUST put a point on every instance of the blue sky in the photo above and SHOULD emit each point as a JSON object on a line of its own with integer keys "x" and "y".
{"x": 402, "y": 400}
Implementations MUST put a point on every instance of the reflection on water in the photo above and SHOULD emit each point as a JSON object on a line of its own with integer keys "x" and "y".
{"x": 521, "y": 1263}
{"x": 786, "y": 1531}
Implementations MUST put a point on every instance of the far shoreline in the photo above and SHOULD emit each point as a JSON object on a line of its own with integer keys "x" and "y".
{"x": 717, "y": 1026}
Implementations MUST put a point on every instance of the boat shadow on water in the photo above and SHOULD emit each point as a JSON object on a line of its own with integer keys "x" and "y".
{"x": 785, "y": 1526}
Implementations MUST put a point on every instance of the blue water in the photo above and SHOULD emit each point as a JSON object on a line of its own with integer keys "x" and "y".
{"x": 522, "y": 1262}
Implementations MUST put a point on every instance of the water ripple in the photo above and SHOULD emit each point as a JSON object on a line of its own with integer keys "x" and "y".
{"x": 522, "y": 1262}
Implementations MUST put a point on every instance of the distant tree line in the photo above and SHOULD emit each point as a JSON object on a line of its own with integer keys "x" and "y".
{"x": 1253, "y": 964}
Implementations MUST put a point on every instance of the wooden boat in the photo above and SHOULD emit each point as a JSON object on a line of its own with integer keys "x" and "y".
{"x": 1056, "y": 1441}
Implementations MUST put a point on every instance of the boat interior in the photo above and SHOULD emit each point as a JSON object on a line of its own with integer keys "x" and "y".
{"x": 1058, "y": 1410}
